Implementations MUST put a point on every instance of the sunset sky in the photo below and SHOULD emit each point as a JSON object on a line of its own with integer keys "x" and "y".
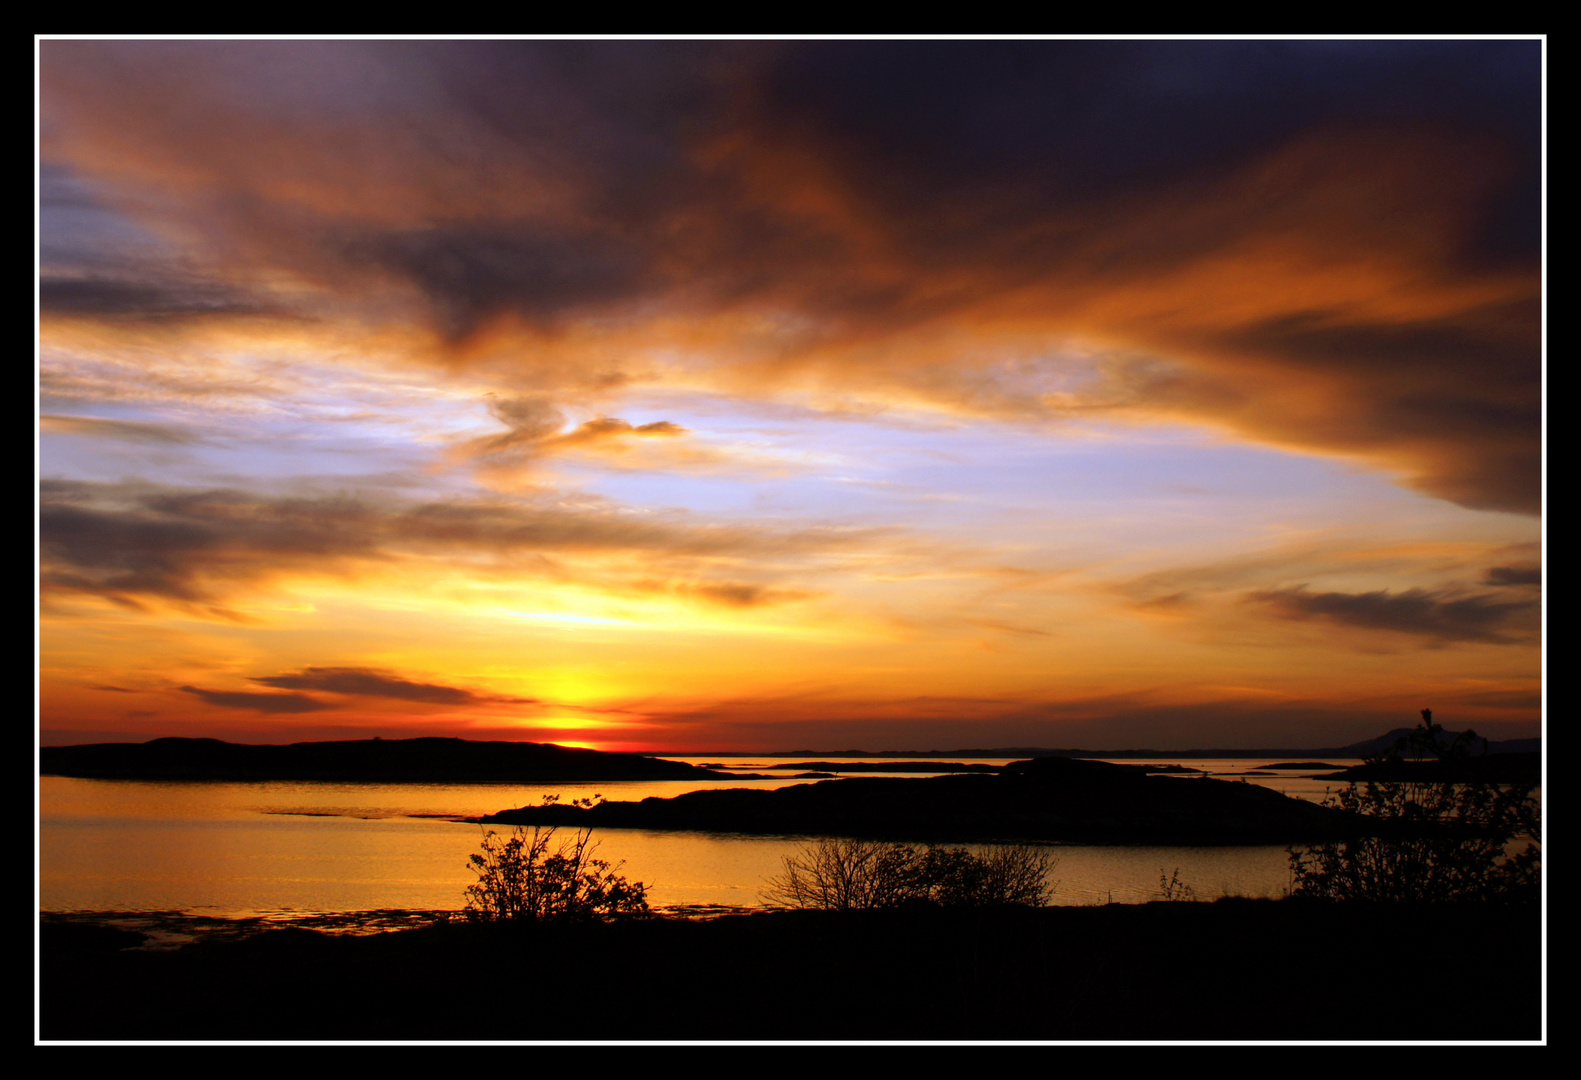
{"x": 692, "y": 396}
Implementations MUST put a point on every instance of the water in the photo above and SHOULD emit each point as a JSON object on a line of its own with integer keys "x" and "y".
{"x": 267, "y": 850}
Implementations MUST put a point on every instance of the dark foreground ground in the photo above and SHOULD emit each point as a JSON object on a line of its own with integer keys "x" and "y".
{"x": 1231, "y": 970}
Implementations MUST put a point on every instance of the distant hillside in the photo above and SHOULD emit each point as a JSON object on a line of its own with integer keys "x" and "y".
{"x": 1367, "y": 748}
{"x": 1486, "y": 769}
{"x": 1376, "y": 746}
{"x": 388, "y": 760}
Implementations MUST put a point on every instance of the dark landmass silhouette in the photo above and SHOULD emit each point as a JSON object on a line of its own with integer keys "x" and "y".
{"x": 1040, "y": 799}
{"x": 1492, "y": 769}
{"x": 1115, "y": 972}
{"x": 441, "y": 760}
{"x": 427, "y": 760}
{"x": 1368, "y": 748}
{"x": 885, "y": 766}
{"x": 1475, "y": 747}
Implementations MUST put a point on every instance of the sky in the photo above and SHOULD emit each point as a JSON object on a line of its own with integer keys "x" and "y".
{"x": 681, "y": 396}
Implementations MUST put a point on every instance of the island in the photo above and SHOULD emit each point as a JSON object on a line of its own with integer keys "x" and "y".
{"x": 422, "y": 760}
{"x": 1051, "y": 799}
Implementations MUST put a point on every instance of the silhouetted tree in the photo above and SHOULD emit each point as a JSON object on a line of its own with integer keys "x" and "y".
{"x": 528, "y": 877}
{"x": 845, "y": 874}
{"x": 1460, "y": 838}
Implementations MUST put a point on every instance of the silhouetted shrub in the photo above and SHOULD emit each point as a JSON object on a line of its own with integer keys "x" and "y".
{"x": 843, "y": 875}
{"x": 1443, "y": 840}
{"x": 525, "y": 877}
{"x": 1170, "y": 887}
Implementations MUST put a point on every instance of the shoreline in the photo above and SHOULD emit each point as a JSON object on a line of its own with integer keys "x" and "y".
{"x": 167, "y": 930}
{"x": 1228, "y": 970}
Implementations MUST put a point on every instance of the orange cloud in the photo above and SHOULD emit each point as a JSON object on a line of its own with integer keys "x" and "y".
{"x": 1320, "y": 285}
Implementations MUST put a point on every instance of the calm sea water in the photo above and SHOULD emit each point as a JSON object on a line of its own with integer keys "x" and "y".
{"x": 246, "y": 850}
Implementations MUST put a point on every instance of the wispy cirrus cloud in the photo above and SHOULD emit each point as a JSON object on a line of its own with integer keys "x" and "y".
{"x": 132, "y": 544}
{"x": 136, "y": 431}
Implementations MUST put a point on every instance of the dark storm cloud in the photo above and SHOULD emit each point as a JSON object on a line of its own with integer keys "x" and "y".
{"x": 472, "y": 273}
{"x": 371, "y": 682}
{"x": 1513, "y": 575}
{"x": 1083, "y": 119}
{"x": 1334, "y": 244}
{"x": 1439, "y": 616}
{"x": 264, "y": 703}
{"x": 1136, "y": 172}
{"x": 131, "y": 543}
{"x": 105, "y": 298}
{"x": 1464, "y": 393}
{"x": 510, "y": 177}
{"x": 175, "y": 545}
{"x": 1046, "y": 122}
